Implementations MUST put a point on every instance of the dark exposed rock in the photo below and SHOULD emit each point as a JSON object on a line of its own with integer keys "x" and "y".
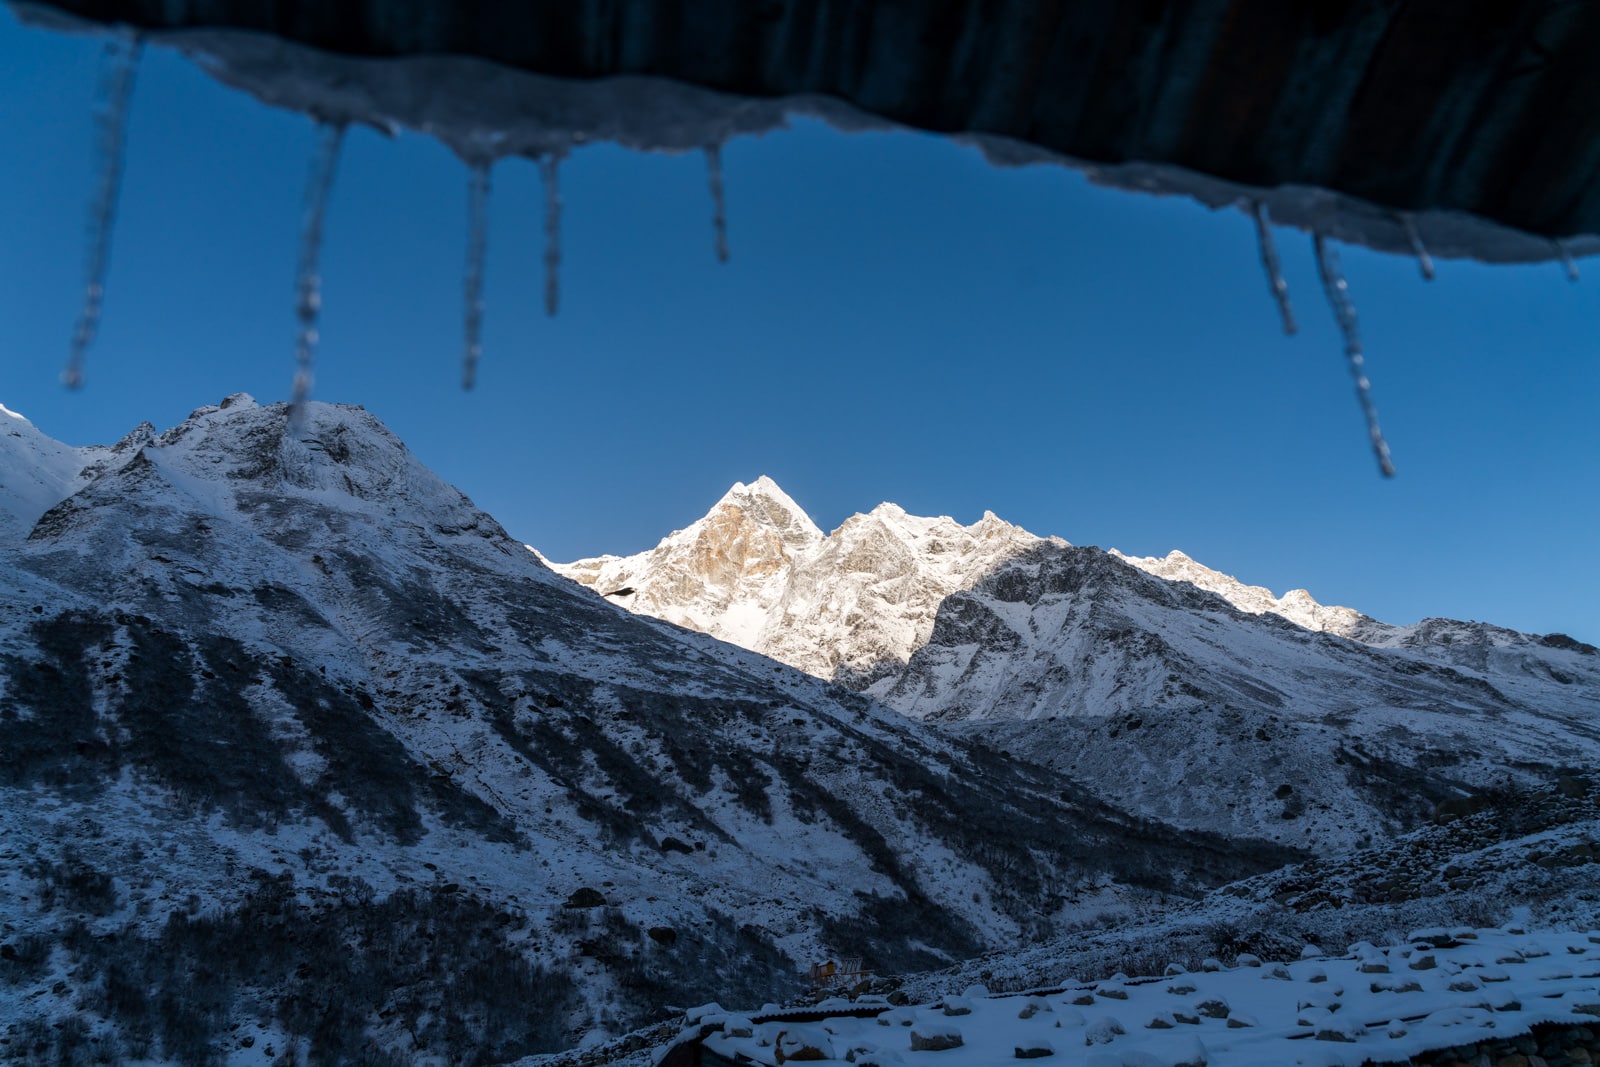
{"x": 585, "y": 897}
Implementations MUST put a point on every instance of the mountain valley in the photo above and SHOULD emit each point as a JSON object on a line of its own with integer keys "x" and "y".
{"x": 302, "y": 755}
{"x": 303, "y": 759}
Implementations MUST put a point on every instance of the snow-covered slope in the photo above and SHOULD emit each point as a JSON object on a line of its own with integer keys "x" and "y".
{"x": 286, "y": 720}
{"x": 1297, "y": 605}
{"x": 1172, "y": 701}
{"x": 1515, "y": 857}
{"x": 1440, "y": 989}
{"x": 37, "y": 472}
{"x": 850, "y": 606}
{"x": 1160, "y": 683}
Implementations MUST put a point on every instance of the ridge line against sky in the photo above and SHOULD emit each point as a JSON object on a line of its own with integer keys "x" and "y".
{"x": 899, "y": 321}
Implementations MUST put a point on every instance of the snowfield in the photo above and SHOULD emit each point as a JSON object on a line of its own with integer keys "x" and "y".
{"x": 1368, "y": 1005}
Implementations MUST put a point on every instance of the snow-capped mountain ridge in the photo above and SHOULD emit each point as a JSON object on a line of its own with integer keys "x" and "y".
{"x": 1297, "y": 605}
{"x": 710, "y": 576}
{"x": 846, "y": 606}
{"x": 1122, "y": 671}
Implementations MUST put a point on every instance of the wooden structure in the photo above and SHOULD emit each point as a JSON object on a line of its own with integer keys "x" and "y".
{"x": 845, "y": 973}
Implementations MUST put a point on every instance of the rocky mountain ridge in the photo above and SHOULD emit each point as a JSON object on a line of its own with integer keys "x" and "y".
{"x": 1159, "y": 683}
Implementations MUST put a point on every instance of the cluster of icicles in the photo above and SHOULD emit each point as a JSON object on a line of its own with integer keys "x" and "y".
{"x": 120, "y": 63}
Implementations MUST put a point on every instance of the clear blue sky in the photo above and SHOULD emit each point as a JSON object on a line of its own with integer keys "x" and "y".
{"x": 900, "y": 321}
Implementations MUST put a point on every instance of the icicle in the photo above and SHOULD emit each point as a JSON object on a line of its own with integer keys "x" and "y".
{"x": 1424, "y": 260}
{"x": 719, "y": 207}
{"x": 308, "y": 281}
{"x": 477, "y": 251}
{"x": 1344, "y": 310}
{"x": 1269, "y": 260}
{"x": 549, "y": 170}
{"x": 1567, "y": 261}
{"x": 119, "y": 62}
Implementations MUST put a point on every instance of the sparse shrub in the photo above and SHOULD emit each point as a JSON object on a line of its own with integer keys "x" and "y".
{"x": 436, "y": 960}
{"x": 25, "y": 958}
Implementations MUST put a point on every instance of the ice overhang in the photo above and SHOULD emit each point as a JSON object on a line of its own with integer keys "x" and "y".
{"x": 1471, "y": 127}
{"x": 1433, "y": 128}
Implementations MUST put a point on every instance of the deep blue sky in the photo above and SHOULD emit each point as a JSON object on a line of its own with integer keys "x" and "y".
{"x": 900, "y": 321}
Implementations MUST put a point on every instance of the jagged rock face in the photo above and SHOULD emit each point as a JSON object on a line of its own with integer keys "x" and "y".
{"x": 1167, "y": 686}
{"x": 1168, "y": 699}
{"x": 723, "y": 575}
{"x": 325, "y": 699}
{"x": 849, "y": 606}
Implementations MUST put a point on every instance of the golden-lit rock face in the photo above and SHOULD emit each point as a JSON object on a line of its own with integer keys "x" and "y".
{"x": 731, "y": 549}
{"x": 850, "y": 606}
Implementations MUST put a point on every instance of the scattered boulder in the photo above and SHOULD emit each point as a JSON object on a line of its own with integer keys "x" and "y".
{"x": 1033, "y": 1007}
{"x": 1340, "y": 1030}
{"x": 704, "y": 1011}
{"x": 1460, "y": 807}
{"x": 1102, "y": 1031}
{"x": 585, "y": 897}
{"x": 1395, "y": 985}
{"x": 804, "y": 1043}
{"x": 1571, "y": 786}
{"x": 957, "y": 1006}
{"x": 930, "y": 1036}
